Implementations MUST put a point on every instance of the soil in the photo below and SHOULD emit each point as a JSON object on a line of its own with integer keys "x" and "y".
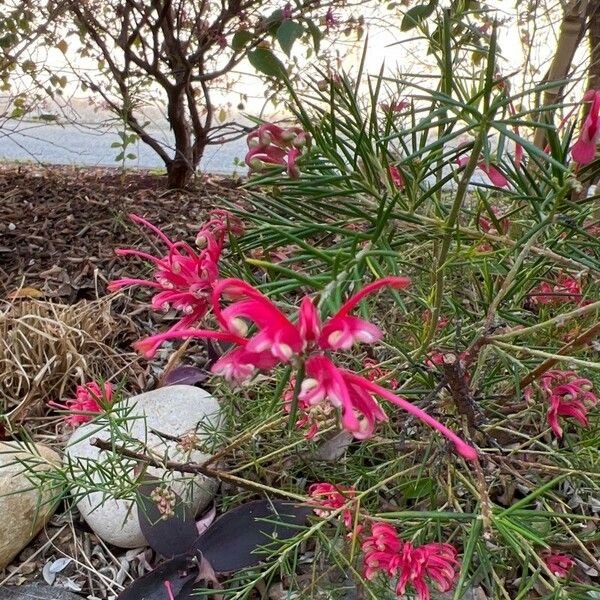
{"x": 59, "y": 226}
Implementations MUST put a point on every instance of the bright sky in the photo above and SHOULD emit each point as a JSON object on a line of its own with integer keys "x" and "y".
{"x": 406, "y": 58}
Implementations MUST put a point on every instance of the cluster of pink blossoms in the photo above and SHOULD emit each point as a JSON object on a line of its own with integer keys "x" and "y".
{"x": 306, "y": 344}
{"x": 329, "y": 497}
{"x": 184, "y": 277}
{"x": 271, "y": 145}
{"x": 384, "y": 552}
{"x": 558, "y": 564}
{"x": 567, "y": 394}
{"x": 89, "y": 399}
{"x": 565, "y": 290}
{"x": 308, "y": 416}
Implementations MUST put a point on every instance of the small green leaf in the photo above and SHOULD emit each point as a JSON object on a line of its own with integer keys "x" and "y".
{"x": 266, "y": 62}
{"x": 417, "y": 14}
{"x": 131, "y": 156}
{"x": 241, "y": 39}
{"x": 287, "y": 33}
{"x": 116, "y": 145}
{"x": 316, "y": 34}
{"x": 119, "y": 157}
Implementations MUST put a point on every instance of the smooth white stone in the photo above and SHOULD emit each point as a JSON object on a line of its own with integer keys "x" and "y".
{"x": 173, "y": 410}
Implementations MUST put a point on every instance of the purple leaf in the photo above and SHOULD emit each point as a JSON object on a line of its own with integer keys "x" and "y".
{"x": 177, "y": 571}
{"x": 234, "y": 540}
{"x": 169, "y": 536}
{"x": 185, "y": 375}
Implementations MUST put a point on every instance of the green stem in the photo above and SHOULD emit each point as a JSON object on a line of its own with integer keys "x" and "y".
{"x": 461, "y": 193}
{"x": 297, "y": 388}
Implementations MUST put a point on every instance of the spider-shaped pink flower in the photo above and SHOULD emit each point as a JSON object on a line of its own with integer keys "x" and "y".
{"x": 558, "y": 564}
{"x": 565, "y": 290}
{"x": 184, "y": 277}
{"x": 330, "y": 497}
{"x": 567, "y": 394}
{"x": 309, "y": 341}
{"x": 88, "y": 400}
{"x": 271, "y": 145}
{"x": 384, "y": 552}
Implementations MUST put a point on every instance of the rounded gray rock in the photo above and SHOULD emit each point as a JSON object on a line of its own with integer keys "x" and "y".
{"x": 175, "y": 411}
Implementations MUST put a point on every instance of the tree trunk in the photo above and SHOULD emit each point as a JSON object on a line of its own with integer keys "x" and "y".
{"x": 181, "y": 169}
{"x": 594, "y": 39}
{"x": 571, "y": 33}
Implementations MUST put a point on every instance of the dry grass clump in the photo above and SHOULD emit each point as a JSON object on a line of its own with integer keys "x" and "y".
{"x": 46, "y": 349}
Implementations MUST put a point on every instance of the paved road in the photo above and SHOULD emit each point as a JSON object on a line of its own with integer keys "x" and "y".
{"x": 70, "y": 144}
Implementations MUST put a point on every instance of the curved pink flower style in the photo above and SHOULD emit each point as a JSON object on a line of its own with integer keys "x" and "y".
{"x": 558, "y": 564}
{"x": 184, "y": 277}
{"x": 494, "y": 174}
{"x": 384, "y": 552}
{"x": 89, "y": 399}
{"x": 330, "y": 497}
{"x": 568, "y": 395}
{"x": 278, "y": 341}
{"x": 584, "y": 150}
{"x": 271, "y": 145}
{"x": 565, "y": 290}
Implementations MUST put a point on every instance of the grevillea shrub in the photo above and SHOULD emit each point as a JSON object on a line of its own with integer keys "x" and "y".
{"x": 408, "y": 334}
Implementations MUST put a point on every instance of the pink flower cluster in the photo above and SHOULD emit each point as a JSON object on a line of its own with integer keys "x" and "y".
{"x": 184, "y": 277}
{"x": 558, "y": 564}
{"x": 271, "y": 145}
{"x": 308, "y": 416}
{"x": 565, "y": 290}
{"x": 308, "y": 341}
{"x": 584, "y": 150}
{"x": 375, "y": 373}
{"x": 89, "y": 399}
{"x": 567, "y": 394}
{"x": 384, "y": 552}
{"x": 329, "y": 497}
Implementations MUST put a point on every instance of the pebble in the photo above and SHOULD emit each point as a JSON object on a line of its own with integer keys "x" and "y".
{"x": 174, "y": 410}
{"x": 25, "y": 509}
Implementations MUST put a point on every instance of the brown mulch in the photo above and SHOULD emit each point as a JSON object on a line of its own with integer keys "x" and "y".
{"x": 59, "y": 226}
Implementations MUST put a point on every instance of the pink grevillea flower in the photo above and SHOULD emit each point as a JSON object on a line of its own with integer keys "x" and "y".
{"x": 331, "y": 19}
{"x": 568, "y": 396}
{"x": 395, "y": 107}
{"x": 271, "y": 145}
{"x": 494, "y": 174}
{"x": 184, "y": 277}
{"x": 278, "y": 341}
{"x": 308, "y": 416}
{"x": 375, "y": 373}
{"x": 558, "y": 564}
{"x": 584, "y": 150}
{"x": 384, "y": 552}
{"x": 426, "y": 317}
{"x": 89, "y": 399}
{"x": 565, "y": 290}
{"x": 330, "y": 497}
{"x": 396, "y": 177}
{"x": 488, "y": 225}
